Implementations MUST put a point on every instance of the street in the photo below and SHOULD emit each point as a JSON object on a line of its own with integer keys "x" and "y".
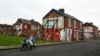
{"x": 88, "y": 48}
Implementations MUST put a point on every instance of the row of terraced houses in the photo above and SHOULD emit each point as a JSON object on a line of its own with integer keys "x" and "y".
{"x": 56, "y": 25}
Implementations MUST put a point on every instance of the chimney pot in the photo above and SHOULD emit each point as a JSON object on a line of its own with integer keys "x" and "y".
{"x": 61, "y": 10}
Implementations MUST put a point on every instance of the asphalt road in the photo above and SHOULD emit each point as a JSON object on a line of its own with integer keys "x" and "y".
{"x": 89, "y": 48}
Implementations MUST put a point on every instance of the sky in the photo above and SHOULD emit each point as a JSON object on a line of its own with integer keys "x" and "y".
{"x": 84, "y": 10}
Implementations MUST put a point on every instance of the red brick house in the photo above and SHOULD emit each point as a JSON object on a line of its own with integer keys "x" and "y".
{"x": 99, "y": 34}
{"x": 7, "y": 29}
{"x": 26, "y": 27}
{"x": 90, "y": 30}
{"x": 61, "y": 26}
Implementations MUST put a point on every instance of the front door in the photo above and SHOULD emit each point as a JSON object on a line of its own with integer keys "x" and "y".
{"x": 68, "y": 34}
{"x": 65, "y": 34}
{"x": 69, "y": 31}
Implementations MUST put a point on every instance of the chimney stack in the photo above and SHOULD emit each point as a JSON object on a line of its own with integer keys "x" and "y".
{"x": 61, "y": 10}
{"x": 91, "y": 23}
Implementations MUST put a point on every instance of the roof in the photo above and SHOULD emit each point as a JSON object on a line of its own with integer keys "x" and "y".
{"x": 5, "y": 25}
{"x": 26, "y": 21}
{"x": 29, "y": 21}
{"x": 89, "y": 24}
{"x": 62, "y": 14}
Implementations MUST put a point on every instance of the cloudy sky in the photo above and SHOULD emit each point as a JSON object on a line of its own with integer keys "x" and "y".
{"x": 84, "y": 10}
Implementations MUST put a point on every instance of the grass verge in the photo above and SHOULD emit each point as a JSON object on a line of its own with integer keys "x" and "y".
{"x": 8, "y": 40}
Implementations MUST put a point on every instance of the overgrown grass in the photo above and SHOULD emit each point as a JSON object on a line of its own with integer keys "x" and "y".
{"x": 6, "y": 40}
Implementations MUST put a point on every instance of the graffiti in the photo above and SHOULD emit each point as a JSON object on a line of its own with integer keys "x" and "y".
{"x": 52, "y": 35}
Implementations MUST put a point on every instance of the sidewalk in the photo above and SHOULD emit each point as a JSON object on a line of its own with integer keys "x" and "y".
{"x": 38, "y": 45}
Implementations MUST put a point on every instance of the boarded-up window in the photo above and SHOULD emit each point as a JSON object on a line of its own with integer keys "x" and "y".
{"x": 17, "y": 27}
{"x": 74, "y": 23}
{"x": 57, "y": 22}
{"x": 80, "y": 25}
{"x": 25, "y": 26}
{"x": 21, "y": 25}
{"x": 69, "y": 22}
{"x": 60, "y": 22}
{"x": 33, "y": 27}
{"x": 50, "y": 23}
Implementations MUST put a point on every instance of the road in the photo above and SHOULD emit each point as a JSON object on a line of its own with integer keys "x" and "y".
{"x": 88, "y": 48}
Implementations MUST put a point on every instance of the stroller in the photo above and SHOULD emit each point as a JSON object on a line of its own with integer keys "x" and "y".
{"x": 26, "y": 45}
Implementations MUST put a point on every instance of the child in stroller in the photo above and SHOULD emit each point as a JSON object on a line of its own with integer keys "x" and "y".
{"x": 26, "y": 45}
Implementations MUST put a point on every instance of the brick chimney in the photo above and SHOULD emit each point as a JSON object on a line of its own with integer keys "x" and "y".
{"x": 61, "y": 10}
{"x": 91, "y": 23}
